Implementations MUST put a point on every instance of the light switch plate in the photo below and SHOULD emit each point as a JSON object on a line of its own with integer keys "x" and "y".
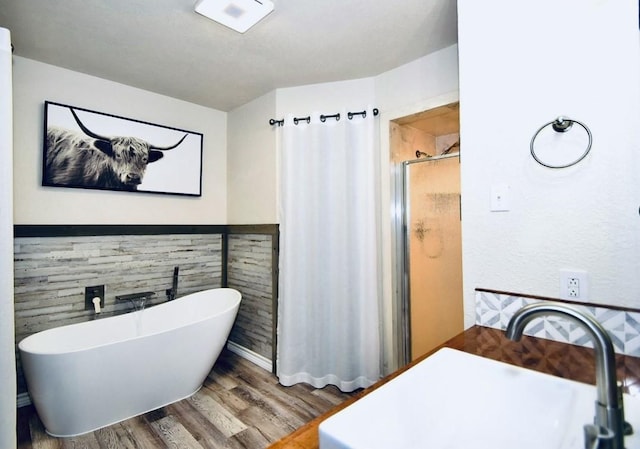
{"x": 500, "y": 198}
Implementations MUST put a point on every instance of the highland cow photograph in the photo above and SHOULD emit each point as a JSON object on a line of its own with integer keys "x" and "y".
{"x": 93, "y": 150}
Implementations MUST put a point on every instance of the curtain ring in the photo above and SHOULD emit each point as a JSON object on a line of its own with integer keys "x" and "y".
{"x": 323, "y": 118}
{"x": 298, "y": 119}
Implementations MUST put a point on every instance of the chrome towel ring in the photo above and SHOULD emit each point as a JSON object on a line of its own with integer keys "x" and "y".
{"x": 561, "y": 125}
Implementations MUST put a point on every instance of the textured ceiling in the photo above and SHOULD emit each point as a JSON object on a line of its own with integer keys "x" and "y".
{"x": 163, "y": 46}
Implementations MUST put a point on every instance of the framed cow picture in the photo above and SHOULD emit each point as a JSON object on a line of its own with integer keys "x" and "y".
{"x": 93, "y": 150}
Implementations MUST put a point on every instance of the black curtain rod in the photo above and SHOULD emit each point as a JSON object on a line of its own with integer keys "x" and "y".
{"x": 323, "y": 118}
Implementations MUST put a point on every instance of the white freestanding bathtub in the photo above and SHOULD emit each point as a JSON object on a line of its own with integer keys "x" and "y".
{"x": 85, "y": 376}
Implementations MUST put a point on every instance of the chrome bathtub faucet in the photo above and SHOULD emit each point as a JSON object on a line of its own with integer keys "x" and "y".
{"x": 609, "y": 427}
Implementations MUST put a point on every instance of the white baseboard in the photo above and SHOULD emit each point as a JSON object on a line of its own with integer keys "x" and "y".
{"x": 251, "y": 356}
{"x": 23, "y": 400}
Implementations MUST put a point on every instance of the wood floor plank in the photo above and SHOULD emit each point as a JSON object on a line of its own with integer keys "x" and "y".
{"x": 108, "y": 438}
{"x": 139, "y": 431}
{"x": 174, "y": 434}
{"x": 308, "y": 403}
{"x": 250, "y": 438}
{"x": 224, "y": 380}
{"x": 281, "y": 401}
{"x": 272, "y": 427}
{"x": 241, "y": 406}
{"x": 269, "y": 406}
{"x": 331, "y": 394}
{"x": 202, "y": 430}
{"x": 217, "y": 414}
{"x": 224, "y": 367}
{"x": 227, "y": 397}
{"x": 39, "y": 438}
{"x": 87, "y": 441}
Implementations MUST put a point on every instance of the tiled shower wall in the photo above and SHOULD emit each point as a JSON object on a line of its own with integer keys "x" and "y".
{"x": 51, "y": 274}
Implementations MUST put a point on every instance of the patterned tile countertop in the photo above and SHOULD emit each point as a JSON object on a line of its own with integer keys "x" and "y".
{"x": 559, "y": 359}
{"x": 495, "y": 309}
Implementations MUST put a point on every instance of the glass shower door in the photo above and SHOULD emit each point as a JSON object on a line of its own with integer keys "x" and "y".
{"x": 433, "y": 251}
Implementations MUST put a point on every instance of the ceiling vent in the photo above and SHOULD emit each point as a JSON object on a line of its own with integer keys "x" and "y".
{"x": 239, "y": 15}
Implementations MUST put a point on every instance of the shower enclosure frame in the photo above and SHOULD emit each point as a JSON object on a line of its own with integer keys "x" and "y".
{"x": 402, "y": 214}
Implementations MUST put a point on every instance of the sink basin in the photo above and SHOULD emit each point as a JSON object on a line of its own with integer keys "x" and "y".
{"x": 456, "y": 400}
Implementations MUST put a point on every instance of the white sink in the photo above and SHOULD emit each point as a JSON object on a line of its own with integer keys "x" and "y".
{"x": 455, "y": 400}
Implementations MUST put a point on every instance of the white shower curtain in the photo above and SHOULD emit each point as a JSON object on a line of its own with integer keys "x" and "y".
{"x": 328, "y": 310}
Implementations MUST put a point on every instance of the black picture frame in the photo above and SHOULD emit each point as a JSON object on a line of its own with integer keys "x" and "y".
{"x": 94, "y": 150}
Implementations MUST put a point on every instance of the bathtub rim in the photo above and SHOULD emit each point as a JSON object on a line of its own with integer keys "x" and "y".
{"x": 42, "y": 334}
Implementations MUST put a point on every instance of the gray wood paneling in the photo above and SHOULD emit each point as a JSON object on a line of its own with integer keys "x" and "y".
{"x": 250, "y": 271}
{"x": 51, "y": 274}
{"x": 54, "y": 264}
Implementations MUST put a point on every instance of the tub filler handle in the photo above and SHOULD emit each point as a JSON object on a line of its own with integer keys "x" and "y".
{"x": 96, "y": 304}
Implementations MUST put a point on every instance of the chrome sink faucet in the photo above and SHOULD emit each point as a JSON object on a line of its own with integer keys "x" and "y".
{"x": 609, "y": 426}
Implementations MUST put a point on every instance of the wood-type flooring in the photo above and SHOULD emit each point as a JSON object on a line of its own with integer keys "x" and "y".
{"x": 240, "y": 406}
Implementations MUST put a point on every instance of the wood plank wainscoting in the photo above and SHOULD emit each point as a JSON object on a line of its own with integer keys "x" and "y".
{"x": 54, "y": 264}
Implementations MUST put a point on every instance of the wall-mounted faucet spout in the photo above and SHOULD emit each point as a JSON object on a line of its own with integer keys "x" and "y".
{"x": 609, "y": 414}
{"x": 137, "y": 300}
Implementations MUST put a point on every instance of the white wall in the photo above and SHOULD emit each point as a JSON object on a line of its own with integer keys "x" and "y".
{"x": 35, "y": 82}
{"x": 327, "y": 98}
{"x": 7, "y": 348}
{"x": 523, "y": 64}
{"x": 410, "y": 86}
{"x": 252, "y": 163}
{"x": 252, "y": 154}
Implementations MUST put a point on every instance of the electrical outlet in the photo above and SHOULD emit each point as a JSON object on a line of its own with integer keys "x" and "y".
{"x": 573, "y": 282}
{"x": 573, "y": 285}
{"x": 573, "y": 292}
